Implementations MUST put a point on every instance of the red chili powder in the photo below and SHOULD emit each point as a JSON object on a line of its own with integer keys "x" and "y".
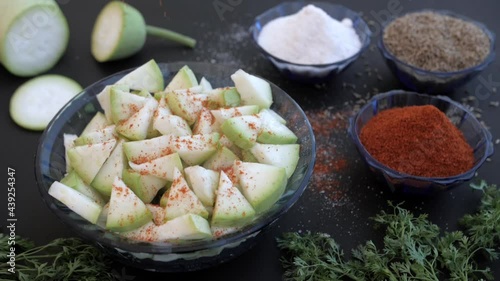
{"x": 329, "y": 130}
{"x": 419, "y": 141}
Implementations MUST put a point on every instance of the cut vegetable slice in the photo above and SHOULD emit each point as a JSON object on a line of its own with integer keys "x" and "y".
{"x": 34, "y": 36}
{"x": 274, "y": 132}
{"x": 182, "y": 200}
{"x": 185, "y": 104}
{"x": 98, "y": 122}
{"x": 74, "y": 181}
{"x": 158, "y": 213}
{"x": 147, "y": 150}
{"x": 195, "y": 149}
{"x": 98, "y": 136}
{"x": 231, "y": 207}
{"x": 112, "y": 168}
{"x": 186, "y": 227}
{"x": 168, "y": 124}
{"x": 223, "y": 114}
{"x": 144, "y": 186}
{"x": 138, "y": 125}
{"x": 69, "y": 142}
{"x": 205, "y": 84}
{"x": 104, "y": 99}
{"x": 242, "y": 130}
{"x": 124, "y": 104}
{"x": 224, "y": 97}
{"x": 120, "y": 31}
{"x": 88, "y": 159}
{"x": 223, "y": 159}
{"x": 280, "y": 155}
{"x": 162, "y": 167}
{"x": 183, "y": 79}
{"x": 146, "y": 77}
{"x": 205, "y": 123}
{"x": 126, "y": 210}
{"x": 261, "y": 184}
{"x": 37, "y": 101}
{"x": 253, "y": 90}
{"x": 76, "y": 201}
{"x": 203, "y": 182}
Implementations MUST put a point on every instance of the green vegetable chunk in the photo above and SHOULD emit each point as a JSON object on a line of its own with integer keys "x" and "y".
{"x": 34, "y": 35}
{"x": 120, "y": 32}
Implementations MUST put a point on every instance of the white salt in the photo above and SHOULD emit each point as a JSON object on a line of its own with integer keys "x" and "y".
{"x": 310, "y": 36}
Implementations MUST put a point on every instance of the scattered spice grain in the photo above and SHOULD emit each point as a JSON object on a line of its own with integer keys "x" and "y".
{"x": 417, "y": 140}
{"x": 436, "y": 42}
{"x": 329, "y": 129}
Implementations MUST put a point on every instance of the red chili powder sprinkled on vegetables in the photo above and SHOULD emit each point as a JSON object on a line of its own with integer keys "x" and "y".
{"x": 330, "y": 130}
{"x": 417, "y": 140}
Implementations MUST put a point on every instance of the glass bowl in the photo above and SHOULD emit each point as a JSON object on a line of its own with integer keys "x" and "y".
{"x": 167, "y": 257}
{"x": 314, "y": 73}
{"x": 478, "y": 137}
{"x": 434, "y": 82}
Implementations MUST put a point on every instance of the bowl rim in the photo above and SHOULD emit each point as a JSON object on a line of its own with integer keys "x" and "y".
{"x": 111, "y": 239}
{"x": 372, "y": 161}
{"x": 482, "y": 65}
{"x": 256, "y": 32}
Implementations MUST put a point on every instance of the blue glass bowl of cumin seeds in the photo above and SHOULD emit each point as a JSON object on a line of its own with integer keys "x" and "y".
{"x": 433, "y": 78}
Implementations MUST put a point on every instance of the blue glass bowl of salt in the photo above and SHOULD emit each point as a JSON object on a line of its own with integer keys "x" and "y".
{"x": 311, "y": 73}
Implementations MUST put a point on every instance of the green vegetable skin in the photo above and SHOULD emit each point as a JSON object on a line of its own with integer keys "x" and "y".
{"x": 413, "y": 249}
{"x": 44, "y": 39}
{"x": 120, "y": 31}
{"x": 141, "y": 166}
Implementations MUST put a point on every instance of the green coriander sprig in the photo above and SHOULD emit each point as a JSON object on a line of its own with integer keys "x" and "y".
{"x": 413, "y": 248}
{"x": 64, "y": 259}
{"x": 484, "y": 226}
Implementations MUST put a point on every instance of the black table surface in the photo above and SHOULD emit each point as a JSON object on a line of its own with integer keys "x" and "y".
{"x": 221, "y": 27}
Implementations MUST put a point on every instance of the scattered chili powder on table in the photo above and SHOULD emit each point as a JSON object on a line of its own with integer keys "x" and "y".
{"x": 417, "y": 140}
{"x": 330, "y": 132}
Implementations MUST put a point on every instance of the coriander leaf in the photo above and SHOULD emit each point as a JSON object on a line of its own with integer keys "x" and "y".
{"x": 314, "y": 255}
{"x": 413, "y": 248}
{"x": 67, "y": 259}
{"x": 484, "y": 226}
{"x": 456, "y": 254}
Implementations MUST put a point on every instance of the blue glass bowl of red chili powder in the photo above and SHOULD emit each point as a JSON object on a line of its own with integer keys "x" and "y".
{"x": 475, "y": 134}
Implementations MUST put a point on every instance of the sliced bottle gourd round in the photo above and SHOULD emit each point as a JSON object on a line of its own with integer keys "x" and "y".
{"x": 120, "y": 31}
{"x": 34, "y": 35}
{"x": 37, "y": 101}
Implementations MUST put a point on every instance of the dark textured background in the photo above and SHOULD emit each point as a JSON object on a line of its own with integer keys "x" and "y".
{"x": 225, "y": 39}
